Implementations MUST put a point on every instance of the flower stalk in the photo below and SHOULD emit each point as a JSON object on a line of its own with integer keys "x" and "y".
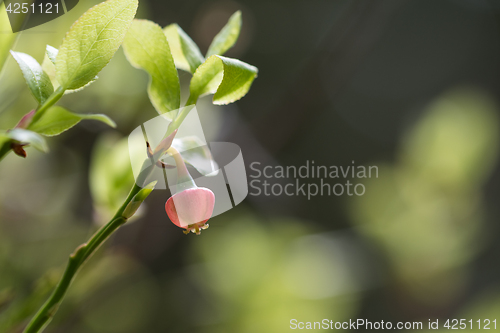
{"x": 83, "y": 252}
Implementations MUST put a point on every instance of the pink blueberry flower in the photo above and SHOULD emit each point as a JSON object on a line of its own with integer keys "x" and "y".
{"x": 190, "y": 209}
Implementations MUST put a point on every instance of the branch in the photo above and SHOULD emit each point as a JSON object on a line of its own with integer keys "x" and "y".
{"x": 83, "y": 252}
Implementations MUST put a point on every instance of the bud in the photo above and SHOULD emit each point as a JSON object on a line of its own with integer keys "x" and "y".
{"x": 26, "y": 120}
{"x": 18, "y": 149}
{"x": 137, "y": 200}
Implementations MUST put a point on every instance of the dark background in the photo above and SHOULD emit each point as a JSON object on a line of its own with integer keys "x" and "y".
{"x": 339, "y": 81}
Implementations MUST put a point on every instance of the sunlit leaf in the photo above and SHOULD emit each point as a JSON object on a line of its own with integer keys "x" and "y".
{"x": 48, "y": 65}
{"x": 7, "y": 36}
{"x": 226, "y": 38}
{"x": 230, "y": 79}
{"x": 29, "y": 137}
{"x": 50, "y": 69}
{"x": 186, "y": 54}
{"x": 146, "y": 47}
{"x": 57, "y": 120}
{"x": 38, "y": 81}
{"x": 92, "y": 41}
{"x": 51, "y": 53}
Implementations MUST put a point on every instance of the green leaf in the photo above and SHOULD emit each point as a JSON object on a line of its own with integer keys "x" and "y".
{"x": 27, "y": 136}
{"x": 57, "y": 120}
{"x": 99, "y": 117}
{"x": 92, "y": 41}
{"x": 226, "y": 38}
{"x": 146, "y": 47}
{"x": 230, "y": 79}
{"x": 186, "y": 54}
{"x": 138, "y": 199}
{"x": 48, "y": 66}
{"x": 8, "y": 37}
{"x": 196, "y": 153}
{"x": 51, "y": 53}
{"x": 38, "y": 81}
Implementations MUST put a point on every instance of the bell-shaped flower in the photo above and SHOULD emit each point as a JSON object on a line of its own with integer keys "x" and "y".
{"x": 192, "y": 206}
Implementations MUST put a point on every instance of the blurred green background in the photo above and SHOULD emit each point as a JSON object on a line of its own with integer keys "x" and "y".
{"x": 411, "y": 86}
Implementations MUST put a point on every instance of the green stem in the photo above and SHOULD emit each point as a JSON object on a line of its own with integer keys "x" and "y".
{"x": 182, "y": 115}
{"x": 45, "y": 314}
{"x": 56, "y": 95}
{"x": 76, "y": 260}
{"x": 5, "y": 149}
{"x": 82, "y": 253}
{"x": 191, "y": 100}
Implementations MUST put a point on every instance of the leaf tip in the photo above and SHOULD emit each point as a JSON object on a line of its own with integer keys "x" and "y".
{"x": 151, "y": 185}
{"x": 110, "y": 122}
